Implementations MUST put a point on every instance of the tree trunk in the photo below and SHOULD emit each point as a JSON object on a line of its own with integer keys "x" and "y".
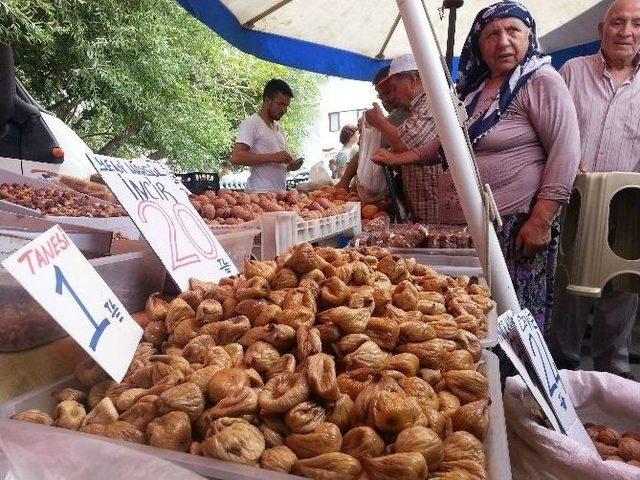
{"x": 117, "y": 142}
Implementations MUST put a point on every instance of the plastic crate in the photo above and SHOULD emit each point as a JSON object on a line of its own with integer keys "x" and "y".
{"x": 198, "y": 182}
{"x": 496, "y": 446}
{"x": 282, "y": 230}
{"x": 238, "y": 244}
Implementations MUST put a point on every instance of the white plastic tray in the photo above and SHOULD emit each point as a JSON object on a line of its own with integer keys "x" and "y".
{"x": 282, "y": 230}
{"x": 456, "y": 266}
{"x": 498, "y": 465}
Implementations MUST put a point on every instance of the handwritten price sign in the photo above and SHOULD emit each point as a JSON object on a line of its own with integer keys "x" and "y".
{"x": 519, "y": 333}
{"x": 163, "y": 213}
{"x": 59, "y": 277}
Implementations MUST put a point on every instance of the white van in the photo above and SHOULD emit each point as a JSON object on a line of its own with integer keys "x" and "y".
{"x": 33, "y": 141}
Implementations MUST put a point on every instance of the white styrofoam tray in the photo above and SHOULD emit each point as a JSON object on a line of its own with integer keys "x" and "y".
{"x": 455, "y": 266}
{"x": 498, "y": 465}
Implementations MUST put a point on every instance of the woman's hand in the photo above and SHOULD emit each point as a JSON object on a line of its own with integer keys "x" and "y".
{"x": 535, "y": 234}
{"x": 533, "y": 237}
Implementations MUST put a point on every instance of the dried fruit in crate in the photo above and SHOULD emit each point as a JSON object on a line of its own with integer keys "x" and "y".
{"x": 241, "y": 371}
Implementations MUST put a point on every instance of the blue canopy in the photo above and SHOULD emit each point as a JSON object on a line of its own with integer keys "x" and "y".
{"x": 355, "y": 39}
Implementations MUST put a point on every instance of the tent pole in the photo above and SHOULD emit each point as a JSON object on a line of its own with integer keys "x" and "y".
{"x": 455, "y": 146}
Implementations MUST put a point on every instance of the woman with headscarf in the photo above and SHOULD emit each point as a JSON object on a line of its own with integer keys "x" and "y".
{"x": 525, "y": 137}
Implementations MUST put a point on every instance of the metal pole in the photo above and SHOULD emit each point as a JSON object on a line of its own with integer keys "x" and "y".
{"x": 451, "y": 37}
{"x": 454, "y": 143}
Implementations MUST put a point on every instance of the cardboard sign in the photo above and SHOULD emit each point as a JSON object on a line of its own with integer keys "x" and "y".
{"x": 59, "y": 277}
{"x": 161, "y": 210}
{"x": 525, "y": 346}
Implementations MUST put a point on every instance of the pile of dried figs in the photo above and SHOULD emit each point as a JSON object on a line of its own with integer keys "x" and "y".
{"x": 326, "y": 363}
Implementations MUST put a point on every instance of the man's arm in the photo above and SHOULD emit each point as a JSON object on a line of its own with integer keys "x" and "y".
{"x": 389, "y": 132}
{"x": 349, "y": 172}
{"x": 242, "y": 155}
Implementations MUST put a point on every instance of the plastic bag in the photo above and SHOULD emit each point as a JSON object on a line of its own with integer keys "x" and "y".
{"x": 318, "y": 177}
{"x": 372, "y": 183}
{"x": 38, "y": 451}
{"x": 544, "y": 454}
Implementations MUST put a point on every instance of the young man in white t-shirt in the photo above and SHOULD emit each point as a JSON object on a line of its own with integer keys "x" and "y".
{"x": 261, "y": 145}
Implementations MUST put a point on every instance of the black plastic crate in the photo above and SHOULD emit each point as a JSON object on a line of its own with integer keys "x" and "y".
{"x": 198, "y": 182}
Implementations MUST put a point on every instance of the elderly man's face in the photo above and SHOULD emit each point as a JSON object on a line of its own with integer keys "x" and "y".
{"x": 384, "y": 90}
{"x": 503, "y": 44}
{"x": 620, "y": 31}
{"x": 406, "y": 86}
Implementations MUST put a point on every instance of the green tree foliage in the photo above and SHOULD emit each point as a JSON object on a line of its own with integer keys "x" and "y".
{"x": 143, "y": 77}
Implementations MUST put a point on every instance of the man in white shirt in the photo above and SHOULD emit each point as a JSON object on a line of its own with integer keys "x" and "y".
{"x": 261, "y": 145}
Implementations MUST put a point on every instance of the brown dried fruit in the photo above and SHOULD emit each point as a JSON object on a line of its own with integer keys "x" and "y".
{"x": 196, "y": 350}
{"x": 321, "y": 376}
{"x": 178, "y": 311}
{"x": 104, "y": 412}
{"x": 186, "y": 397}
{"x": 449, "y": 403}
{"x": 405, "y": 465}
{"x": 430, "y": 353}
{"x": 383, "y": 331}
{"x": 223, "y": 380}
{"x": 128, "y": 398}
{"x": 394, "y": 411}
{"x": 279, "y": 459}
{"x": 234, "y": 440}
{"x": 304, "y": 417}
{"x": 405, "y": 296}
{"x": 282, "y": 337}
{"x": 629, "y": 449}
{"x": 473, "y": 418}
{"x": 155, "y": 333}
{"x": 261, "y": 356}
{"x": 415, "y": 331}
{"x": 34, "y": 416}
{"x": 284, "y": 278}
{"x": 172, "y": 431}
{"x": 156, "y": 308}
{"x": 283, "y": 392}
{"x": 609, "y": 436}
{"x": 256, "y": 268}
{"x": 329, "y": 466}
{"x": 341, "y": 411}
{"x": 467, "y": 385}
{"x": 296, "y": 317}
{"x": 360, "y": 442}
{"x": 308, "y": 342}
{"x": 69, "y": 394}
{"x": 350, "y": 320}
{"x": 367, "y": 355}
{"x": 227, "y": 331}
{"x": 334, "y": 291}
{"x": 406, "y": 363}
{"x": 241, "y": 400}
{"x": 422, "y": 391}
{"x": 326, "y": 438}
{"x": 124, "y": 431}
{"x": 424, "y": 441}
{"x": 285, "y": 364}
{"x": 463, "y": 446}
{"x": 209, "y": 311}
{"x": 351, "y": 342}
{"x": 605, "y": 450}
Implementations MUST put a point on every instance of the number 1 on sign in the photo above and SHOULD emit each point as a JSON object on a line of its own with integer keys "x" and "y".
{"x": 61, "y": 281}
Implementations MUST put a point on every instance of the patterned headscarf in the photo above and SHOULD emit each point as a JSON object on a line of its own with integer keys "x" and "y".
{"x": 473, "y": 71}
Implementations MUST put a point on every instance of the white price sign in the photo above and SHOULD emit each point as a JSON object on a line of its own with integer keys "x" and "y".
{"x": 163, "y": 213}
{"x": 520, "y": 335}
{"x": 59, "y": 277}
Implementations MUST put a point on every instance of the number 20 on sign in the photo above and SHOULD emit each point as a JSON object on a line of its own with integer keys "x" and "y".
{"x": 63, "y": 282}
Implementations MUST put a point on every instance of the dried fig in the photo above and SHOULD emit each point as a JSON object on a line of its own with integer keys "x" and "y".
{"x": 209, "y": 311}
{"x": 186, "y": 397}
{"x": 406, "y": 363}
{"x": 321, "y": 376}
{"x": 467, "y": 385}
{"x": 234, "y": 440}
{"x": 283, "y": 392}
{"x": 195, "y": 351}
{"x": 415, "y": 331}
{"x": 449, "y": 403}
{"x": 142, "y": 412}
{"x": 279, "y": 459}
{"x": 172, "y": 431}
{"x": 261, "y": 356}
{"x": 241, "y": 400}
{"x": 609, "y": 436}
{"x": 282, "y": 337}
{"x": 393, "y": 411}
{"x": 69, "y": 394}
{"x": 334, "y": 291}
{"x": 304, "y": 417}
{"x": 284, "y": 278}
{"x": 367, "y": 355}
{"x": 629, "y": 449}
{"x": 223, "y": 380}
{"x": 178, "y": 311}
{"x": 326, "y": 438}
{"x": 341, "y": 411}
{"x": 227, "y": 331}
{"x": 405, "y": 296}
{"x": 104, "y": 412}
{"x": 329, "y": 466}
{"x": 350, "y": 320}
{"x": 383, "y": 331}
{"x": 405, "y": 465}
{"x": 256, "y": 268}
{"x": 156, "y": 308}
{"x": 34, "y": 416}
{"x": 473, "y": 418}
{"x": 124, "y": 431}
{"x": 424, "y": 441}
{"x": 463, "y": 446}
{"x": 360, "y": 442}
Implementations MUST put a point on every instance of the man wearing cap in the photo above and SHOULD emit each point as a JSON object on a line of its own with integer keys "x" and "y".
{"x": 419, "y": 181}
{"x": 396, "y": 117}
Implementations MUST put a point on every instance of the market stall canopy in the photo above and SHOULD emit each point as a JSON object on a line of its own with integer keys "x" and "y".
{"x": 354, "y": 38}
